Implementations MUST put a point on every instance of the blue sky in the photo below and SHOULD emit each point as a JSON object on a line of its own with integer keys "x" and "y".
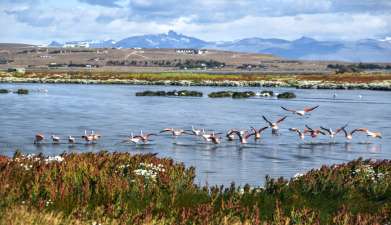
{"x": 41, "y": 21}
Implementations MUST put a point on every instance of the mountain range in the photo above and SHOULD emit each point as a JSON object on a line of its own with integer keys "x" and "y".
{"x": 305, "y": 48}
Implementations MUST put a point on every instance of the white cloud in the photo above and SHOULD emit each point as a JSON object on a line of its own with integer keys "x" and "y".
{"x": 209, "y": 20}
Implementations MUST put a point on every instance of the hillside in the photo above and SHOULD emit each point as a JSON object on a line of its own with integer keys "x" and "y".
{"x": 304, "y": 48}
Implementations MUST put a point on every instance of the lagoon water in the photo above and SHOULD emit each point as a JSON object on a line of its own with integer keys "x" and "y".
{"x": 114, "y": 112}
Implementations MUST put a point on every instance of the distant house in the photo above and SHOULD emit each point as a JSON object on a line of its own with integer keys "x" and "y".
{"x": 191, "y": 51}
{"x": 202, "y": 51}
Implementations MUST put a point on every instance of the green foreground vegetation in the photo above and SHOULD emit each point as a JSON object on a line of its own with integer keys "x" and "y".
{"x": 118, "y": 188}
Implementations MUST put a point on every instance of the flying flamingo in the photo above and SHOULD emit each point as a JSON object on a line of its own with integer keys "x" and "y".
{"x": 372, "y": 134}
{"x": 196, "y": 132}
{"x": 313, "y": 133}
{"x": 144, "y": 137}
{"x": 213, "y": 138}
{"x": 300, "y": 112}
{"x": 301, "y": 134}
{"x": 231, "y": 135}
{"x": 329, "y": 131}
{"x": 174, "y": 132}
{"x": 243, "y": 136}
{"x": 274, "y": 126}
{"x": 348, "y": 135}
{"x": 133, "y": 139}
{"x": 258, "y": 133}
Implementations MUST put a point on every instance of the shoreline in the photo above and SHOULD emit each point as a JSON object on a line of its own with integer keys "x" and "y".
{"x": 298, "y": 84}
{"x": 364, "y": 81}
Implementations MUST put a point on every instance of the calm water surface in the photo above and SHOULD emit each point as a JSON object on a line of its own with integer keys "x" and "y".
{"x": 114, "y": 112}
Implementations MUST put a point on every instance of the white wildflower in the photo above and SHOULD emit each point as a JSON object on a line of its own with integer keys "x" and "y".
{"x": 54, "y": 158}
{"x": 48, "y": 203}
{"x": 149, "y": 171}
{"x": 297, "y": 176}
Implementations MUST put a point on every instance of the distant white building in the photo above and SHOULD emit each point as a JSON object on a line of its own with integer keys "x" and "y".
{"x": 76, "y": 44}
{"x": 191, "y": 51}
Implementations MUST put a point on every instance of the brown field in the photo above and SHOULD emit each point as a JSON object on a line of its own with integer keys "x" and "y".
{"x": 39, "y": 58}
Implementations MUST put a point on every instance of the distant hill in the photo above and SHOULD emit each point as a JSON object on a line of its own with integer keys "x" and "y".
{"x": 305, "y": 48}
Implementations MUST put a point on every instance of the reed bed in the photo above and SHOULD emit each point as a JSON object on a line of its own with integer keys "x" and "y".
{"x": 119, "y": 188}
{"x": 188, "y": 76}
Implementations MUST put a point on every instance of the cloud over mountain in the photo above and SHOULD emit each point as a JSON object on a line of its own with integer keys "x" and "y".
{"x": 39, "y": 21}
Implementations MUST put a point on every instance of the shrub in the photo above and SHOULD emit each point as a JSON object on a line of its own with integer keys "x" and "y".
{"x": 4, "y": 91}
{"x": 286, "y": 95}
{"x": 22, "y": 91}
{"x": 245, "y": 94}
{"x": 267, "y": 93}
{"x": 220, "y": 94}
{"x": 182, "y": 93}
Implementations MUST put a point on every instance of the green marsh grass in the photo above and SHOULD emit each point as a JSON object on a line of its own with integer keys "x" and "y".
{"x": 119, "y": 188}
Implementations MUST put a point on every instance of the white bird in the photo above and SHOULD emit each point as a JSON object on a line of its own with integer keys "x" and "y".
{"x": 55, "y": 139}
{"x": 71, "y": 140}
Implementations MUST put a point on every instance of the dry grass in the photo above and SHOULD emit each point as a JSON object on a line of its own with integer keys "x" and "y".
{"x": 197, "y": 77}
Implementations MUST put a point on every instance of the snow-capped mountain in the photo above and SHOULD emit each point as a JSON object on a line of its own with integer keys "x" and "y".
{"x": 85, "y": 44}
{"x": 169, "y": 40}
{"x": 305, "y": 48}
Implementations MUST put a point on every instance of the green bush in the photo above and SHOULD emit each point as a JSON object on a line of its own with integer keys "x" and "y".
{"x": 183, "y": 93}
{"x": 245, "y": 94}
{"x": 220, "y": 94}
{"x": 22, "y": 92}
{"x": 4, "y": 91}
{"x": 233, "y": 94}
{"x": 286, "y": 95}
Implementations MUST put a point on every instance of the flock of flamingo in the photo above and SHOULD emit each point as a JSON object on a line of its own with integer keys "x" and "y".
{"x": 231, "y": 135}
